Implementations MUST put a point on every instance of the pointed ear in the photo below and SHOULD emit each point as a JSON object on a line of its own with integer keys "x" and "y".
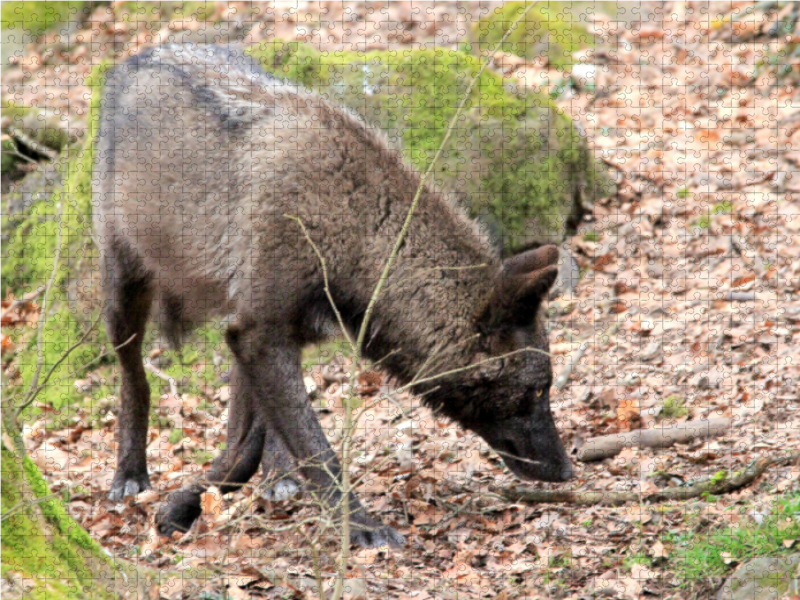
{"x": 532, "y": 260}
{"x": 516, "y": 299}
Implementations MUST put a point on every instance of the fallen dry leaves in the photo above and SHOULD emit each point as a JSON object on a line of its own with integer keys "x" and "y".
{"x": 691, "y": 266}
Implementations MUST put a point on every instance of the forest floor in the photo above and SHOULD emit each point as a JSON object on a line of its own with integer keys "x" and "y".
{"x": 687, "y": 308}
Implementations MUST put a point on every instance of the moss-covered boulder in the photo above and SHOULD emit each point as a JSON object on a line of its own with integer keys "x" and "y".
{"x": 514, "y": 159}
{"x": 46, "y": 554}
{"x": 764, "y": 578}
{"x": 44, "y": 127}
{"x": 54, "y": 216}
{"x": 553, "y": 30}
{"x": 29, "y": 134}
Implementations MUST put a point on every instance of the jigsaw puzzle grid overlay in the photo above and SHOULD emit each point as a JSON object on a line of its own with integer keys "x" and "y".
{"x": 668, "y": 181}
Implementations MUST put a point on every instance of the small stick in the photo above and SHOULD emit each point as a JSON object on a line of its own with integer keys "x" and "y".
{"x": 607, "y": 446}
{"x": 577, "y": 355}
{"x": 173, "y": 387}
{"x": 740, "y": 296}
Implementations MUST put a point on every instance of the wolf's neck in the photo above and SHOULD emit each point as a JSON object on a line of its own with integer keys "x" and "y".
{"x": 423, "y": 321}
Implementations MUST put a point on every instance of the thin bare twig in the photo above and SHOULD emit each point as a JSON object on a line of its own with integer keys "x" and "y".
{"x": 714, "y": 485}
{"x": 468, "y": 368}
{"x": 576, "y": 356}
{"x": 317, "y": 567}
{"x": 43, "y": 313}
{"x": 96, "y": 358}
{"x": 421, "y": 272}
{"x": 327, "y": 285}
{"x": 362, "y": 332}
{"x": 33, "y": 393}
{"x": 173, "y": 386}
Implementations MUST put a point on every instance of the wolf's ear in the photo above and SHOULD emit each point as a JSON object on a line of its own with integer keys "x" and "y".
{"x": 532, "y": 260}
{"x": 516, "y": 299}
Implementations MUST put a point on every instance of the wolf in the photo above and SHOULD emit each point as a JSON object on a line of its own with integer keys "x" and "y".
{"x": 214, "y": 187}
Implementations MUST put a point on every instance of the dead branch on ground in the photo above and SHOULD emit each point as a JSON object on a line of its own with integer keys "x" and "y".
{"x": 608, "y": 446}
{"x": 717, "y": 485}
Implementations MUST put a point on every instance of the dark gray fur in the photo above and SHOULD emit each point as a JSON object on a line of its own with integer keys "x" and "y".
{"x": 199, "y": 157}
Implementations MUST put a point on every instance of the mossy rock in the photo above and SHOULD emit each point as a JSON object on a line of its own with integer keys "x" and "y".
{"x": 515, "y": 160}
{"x": 45, "y": 128}
{"x": 28, "y": 253}
{"x": 554, "y": 30}
{"x": 763, "y": 578}
{"x": 45, "y": 553}
{"x": 155, "y": 13}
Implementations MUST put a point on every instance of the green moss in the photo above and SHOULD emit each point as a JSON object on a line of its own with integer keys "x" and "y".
{"x": 8, "y": 161}
{"x": 74, "y": 536}
{"x": 515, "y": 156}
{"x": 42, "y": 543}
{"x": 42, "y": 126}
{"x": 674, "y": 408}
{"x": 716, "y": 552}
{"x": 723, "y": 208}
{"x": 28, "y": 257}
{"x": 37, "y": 17}
{"x": 163, "y": 12}
{"x": 554, "y": 30}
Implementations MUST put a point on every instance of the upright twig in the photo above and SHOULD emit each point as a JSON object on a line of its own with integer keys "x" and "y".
{"x": 31, "y": 396}
{"x": 574, "y": 359}
{"x": 324, "y": 267}
{"x": 449, "y": 132}
{"x": 43, "y": 314}
{"x": 173, "y": 386}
